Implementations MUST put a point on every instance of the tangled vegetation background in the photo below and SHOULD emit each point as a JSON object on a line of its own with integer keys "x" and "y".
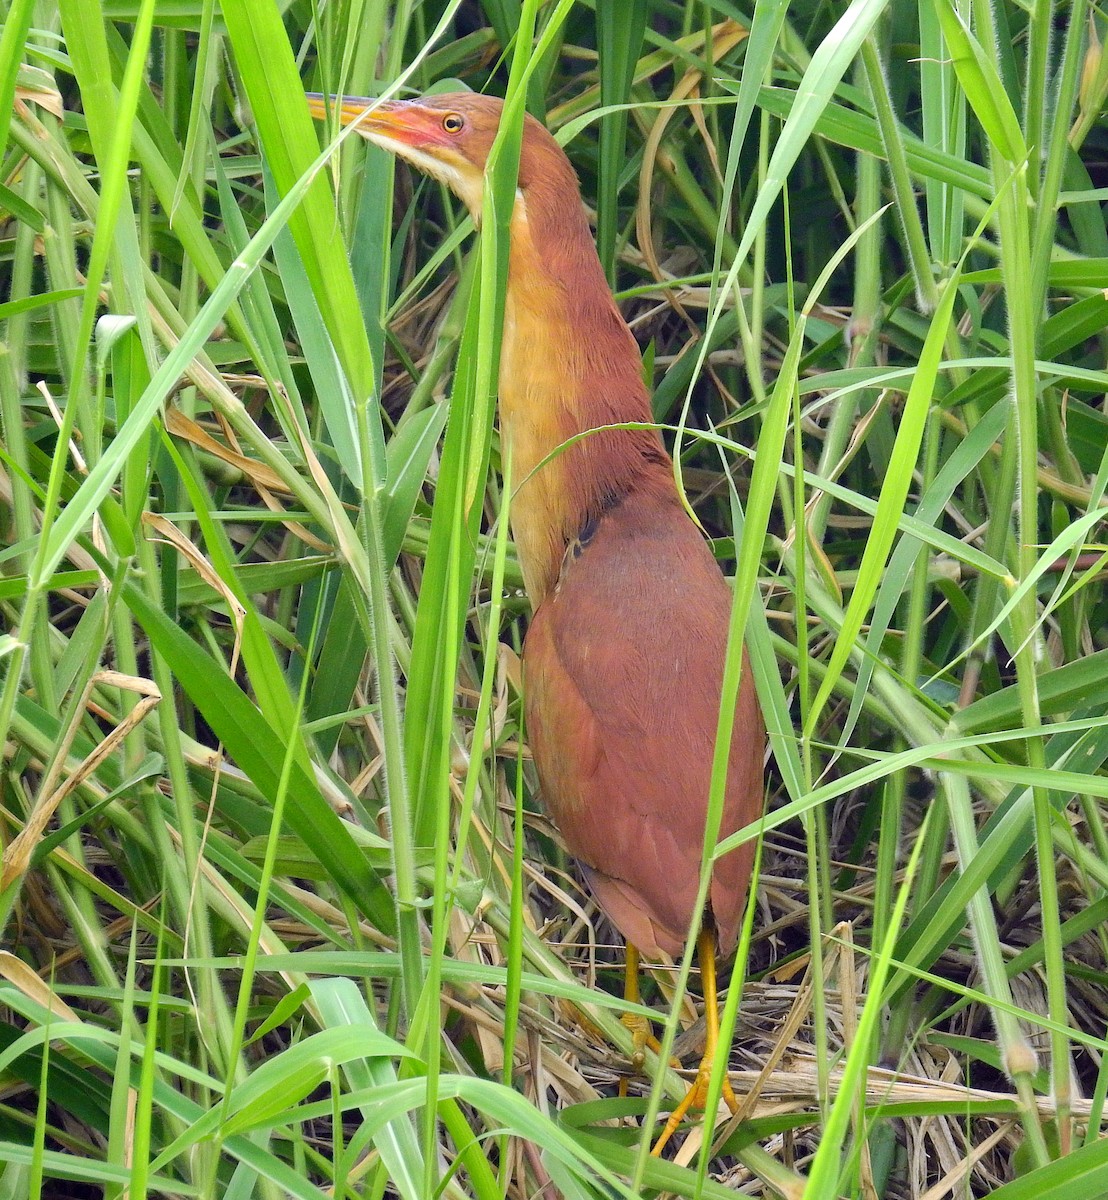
{"x": 281, "y": 913}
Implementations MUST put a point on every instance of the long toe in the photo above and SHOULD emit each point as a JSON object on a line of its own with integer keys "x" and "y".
{"x": 641, "y": 1037}
{"x": 695, "y": 1098}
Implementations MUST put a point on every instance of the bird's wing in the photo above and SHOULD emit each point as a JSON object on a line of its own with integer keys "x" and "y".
{"x": 623, "y": 667}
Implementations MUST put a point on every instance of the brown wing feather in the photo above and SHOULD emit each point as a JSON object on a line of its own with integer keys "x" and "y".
{"x": 623, "y": 667}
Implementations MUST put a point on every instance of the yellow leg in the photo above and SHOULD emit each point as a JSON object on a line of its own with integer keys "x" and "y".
{"x": 697, "y": 1095}
{"x": 637, "y": 1024}
{"x": 641, "y": 1036}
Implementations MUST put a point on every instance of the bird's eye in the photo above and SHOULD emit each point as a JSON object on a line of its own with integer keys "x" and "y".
{"x": 453, "y": 123}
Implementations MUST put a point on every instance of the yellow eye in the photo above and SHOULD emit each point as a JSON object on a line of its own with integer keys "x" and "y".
{"x": 453, "y": 123}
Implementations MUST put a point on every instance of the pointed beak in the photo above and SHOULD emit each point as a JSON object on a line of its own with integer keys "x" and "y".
{"x": 411, "y": 130}
{"x": 401, "y": 122}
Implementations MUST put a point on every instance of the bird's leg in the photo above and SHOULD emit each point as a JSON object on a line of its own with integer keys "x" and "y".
{"x": 641, "y": 1036}
{"x": 697, "y": 1095}
{"x": 635, "y": 1022}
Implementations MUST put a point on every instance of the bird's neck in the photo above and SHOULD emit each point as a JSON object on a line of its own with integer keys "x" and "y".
{"x": 568, "y": 364}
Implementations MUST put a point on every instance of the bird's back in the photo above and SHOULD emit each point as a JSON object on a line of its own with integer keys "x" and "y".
{"x": 623, "y": 668}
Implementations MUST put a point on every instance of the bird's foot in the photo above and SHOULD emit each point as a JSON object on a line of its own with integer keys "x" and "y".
{"x": 642, "y": 1039}
{"x": 695, "y": 1097}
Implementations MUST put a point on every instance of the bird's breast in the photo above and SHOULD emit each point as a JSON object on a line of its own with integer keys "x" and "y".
{"x": 568, "y": 366}
{"x": 536, "y": 418}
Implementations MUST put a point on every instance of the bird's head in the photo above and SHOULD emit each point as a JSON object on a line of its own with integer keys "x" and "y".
{"x": 448, "y": 136}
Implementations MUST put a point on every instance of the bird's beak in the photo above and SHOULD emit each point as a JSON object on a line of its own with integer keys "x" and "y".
{"x": 412, "y": 131}
{"x": 391, "y": 123}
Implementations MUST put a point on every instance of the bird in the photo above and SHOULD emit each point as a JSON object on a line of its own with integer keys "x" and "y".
{"x": 623, "y": 657}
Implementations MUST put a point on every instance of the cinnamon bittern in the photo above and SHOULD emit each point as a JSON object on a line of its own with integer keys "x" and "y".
{"x": 623, "y": 660}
